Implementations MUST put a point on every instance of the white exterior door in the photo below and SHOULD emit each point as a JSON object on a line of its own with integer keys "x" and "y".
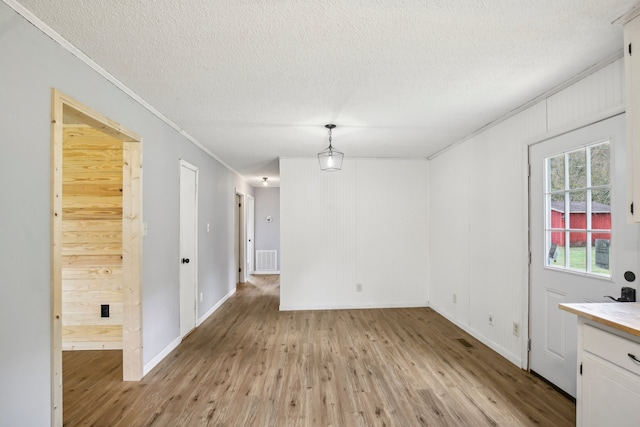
{"x": 188, "y": 246}
{"x": 581, "y": 245}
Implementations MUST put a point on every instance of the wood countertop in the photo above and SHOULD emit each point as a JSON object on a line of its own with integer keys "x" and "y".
{"x": 623, "y": 316}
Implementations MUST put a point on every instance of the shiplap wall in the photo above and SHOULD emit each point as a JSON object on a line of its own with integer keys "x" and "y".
{"x": 365, "y": 224}
{"x": 91, "y": 239}
{"x": 478, "y": 215}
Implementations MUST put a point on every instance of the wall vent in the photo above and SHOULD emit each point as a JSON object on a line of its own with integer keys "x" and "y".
{"x": 267, "y": 260}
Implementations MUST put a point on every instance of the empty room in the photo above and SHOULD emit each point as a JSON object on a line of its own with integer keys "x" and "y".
{"x": 329, "y": 213}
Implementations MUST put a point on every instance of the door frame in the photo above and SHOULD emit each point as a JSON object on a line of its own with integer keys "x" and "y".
{"x": 184, "y": 163}
{"x": 62, "y": 105}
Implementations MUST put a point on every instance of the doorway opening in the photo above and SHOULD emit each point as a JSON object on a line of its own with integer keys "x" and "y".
{"x": 96, "y": 247}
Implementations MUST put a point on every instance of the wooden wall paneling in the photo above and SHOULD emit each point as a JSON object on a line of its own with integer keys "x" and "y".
{"x": 91, "y": 229}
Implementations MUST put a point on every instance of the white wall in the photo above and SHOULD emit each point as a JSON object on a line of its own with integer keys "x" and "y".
{"x": 365, "y": 224}
{"x": 478, "y": 215}
{"x": 33, "y": 63}
{"x": 267, "y": 234}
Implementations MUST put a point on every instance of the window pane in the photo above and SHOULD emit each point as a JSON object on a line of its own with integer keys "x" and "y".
{"x": 601, "y": 199}
{"x": 600, "y": 257}
{"x": 555, "y": 251}
{"x": 555, "y": 168}
{"x": 577, "y": 251}
{"x": 601, "y": 209}
{"x": 578, "y": 209}
{"x": 577, "y": 169}
{"x": 556, "y": 211}
{"x": 600, "y": 164}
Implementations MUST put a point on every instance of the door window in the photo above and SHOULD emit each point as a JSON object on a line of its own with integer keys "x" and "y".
{"x": 578, "y": 210}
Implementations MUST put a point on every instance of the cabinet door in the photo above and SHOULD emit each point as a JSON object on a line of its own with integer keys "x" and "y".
{"x": 632, "y": 82}
{"x": 610, "y": 394}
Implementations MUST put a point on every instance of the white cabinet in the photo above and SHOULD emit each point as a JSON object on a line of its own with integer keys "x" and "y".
{"x": 632, "y": 95}
{"x": 609, "y": 386}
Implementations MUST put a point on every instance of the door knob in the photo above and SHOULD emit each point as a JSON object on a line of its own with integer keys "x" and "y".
{"x": 185, "y": 260}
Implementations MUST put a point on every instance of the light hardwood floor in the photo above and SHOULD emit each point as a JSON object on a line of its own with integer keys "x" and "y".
{"x": 251, "y": 365}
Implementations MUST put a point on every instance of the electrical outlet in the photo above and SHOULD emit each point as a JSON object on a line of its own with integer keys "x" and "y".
{"x": 358, "y": 287}
{"x": 516, "y": 329}
{"x": 455, "y": 298}
{"x": 208, "y": 227}
{"x": 104, "y": 310}
{"x": 491, "y": 319}
{"x": 201, "y": 296}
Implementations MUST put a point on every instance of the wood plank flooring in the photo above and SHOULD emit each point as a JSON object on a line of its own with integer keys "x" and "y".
{"x": 251, "y": 365}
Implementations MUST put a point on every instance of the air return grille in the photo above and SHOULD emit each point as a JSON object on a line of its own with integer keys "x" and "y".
{"x": 267, "y": 260}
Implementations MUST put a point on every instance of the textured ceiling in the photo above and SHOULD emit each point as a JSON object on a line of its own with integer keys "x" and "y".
{"x": 253, "y": 80}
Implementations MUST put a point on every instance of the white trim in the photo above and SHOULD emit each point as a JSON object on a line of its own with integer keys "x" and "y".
{"x": 64, "y": 43}
{"x": 591, "y": 120}
{"x": 411, "y": 304}
{"x": 581, "y": 75}
{"x": 483, "y": 339}
{"x": 160, "y": 356}
{"x": 215, "y": 307}
{"x": 265, "y": 272}
{"x": 629, "y": 16}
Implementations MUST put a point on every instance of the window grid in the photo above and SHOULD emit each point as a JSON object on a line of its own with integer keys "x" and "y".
{"x": 566, "y": 194}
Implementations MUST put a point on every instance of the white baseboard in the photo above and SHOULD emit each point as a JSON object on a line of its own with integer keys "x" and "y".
{"x": 164, "y": 353}
{"x": 483, "y": 339}
{"x": 412, "y": 304}
{"x": 215, "y": 307}
{"x": 263, "y": 272}
{"x": 175, "y": 343}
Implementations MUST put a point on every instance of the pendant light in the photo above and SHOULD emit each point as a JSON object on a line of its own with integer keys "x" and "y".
{"x": 330, "y": 159}
{"x": 265, "y": 181}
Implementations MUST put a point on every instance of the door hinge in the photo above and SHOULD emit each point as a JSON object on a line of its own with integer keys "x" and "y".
{"x": 239, "y": 270}
{"x": 529, "y": 257}
{"x": 631, "y": 208}
{"x": 581, "y": 369}
{"x": 529, "y": 344}
{"x": 629, "y": 49}
{"x": 529, "y": 170}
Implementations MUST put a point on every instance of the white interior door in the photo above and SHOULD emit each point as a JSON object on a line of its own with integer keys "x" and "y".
{"x": 577, "y": 181}
{"x": 188, "y": 246}
{"x": 250, "y": 234}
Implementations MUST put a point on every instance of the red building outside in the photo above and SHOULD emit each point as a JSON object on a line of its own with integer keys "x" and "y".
{"x": 600, "y": 220}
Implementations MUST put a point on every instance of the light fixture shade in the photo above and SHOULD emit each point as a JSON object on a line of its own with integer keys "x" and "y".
{"x": 330, "y": 160}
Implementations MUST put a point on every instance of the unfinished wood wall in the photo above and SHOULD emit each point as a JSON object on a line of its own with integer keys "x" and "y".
{"x": 91, "y": 238}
